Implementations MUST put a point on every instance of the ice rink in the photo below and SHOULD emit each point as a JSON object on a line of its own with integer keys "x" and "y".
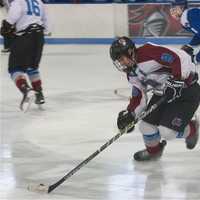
{"x": 79, "y": 116}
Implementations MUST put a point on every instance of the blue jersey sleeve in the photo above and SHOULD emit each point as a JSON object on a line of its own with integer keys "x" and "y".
{"x": 191, "y": 23}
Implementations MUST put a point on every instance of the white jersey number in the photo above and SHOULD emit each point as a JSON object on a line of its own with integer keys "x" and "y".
{"x": 33, "y": 7}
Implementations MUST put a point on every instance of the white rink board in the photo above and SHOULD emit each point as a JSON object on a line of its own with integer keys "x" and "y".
{"x": 88, "y": 20}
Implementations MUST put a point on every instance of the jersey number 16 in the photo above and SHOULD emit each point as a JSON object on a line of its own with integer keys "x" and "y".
{"x": 33, "y": 7}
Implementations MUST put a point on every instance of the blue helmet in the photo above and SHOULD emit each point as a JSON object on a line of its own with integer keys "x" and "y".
{"x": 180, "y": 3}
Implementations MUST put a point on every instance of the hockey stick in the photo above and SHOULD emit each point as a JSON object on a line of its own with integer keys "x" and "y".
{"x": 118, "y": 93}
{"x": 48, "y": 189}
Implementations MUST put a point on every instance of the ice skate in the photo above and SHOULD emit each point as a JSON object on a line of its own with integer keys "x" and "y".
{"x": 192, "y": 140}
{"x": 28, "y": 98}
{"x": 39, "y": 98}
{"x": 144, "y": 155}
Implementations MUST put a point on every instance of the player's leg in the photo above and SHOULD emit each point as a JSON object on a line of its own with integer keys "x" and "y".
{"x": 33, "y": 71}
{"x": 152, "y": 140}
{"x": 176, "y": 121}
{"x": 19, "y": 60}
{"x": 34, "y": 77}
{"x": 16, "y": 67}
{"x": 151, "y": 135}
{"x": 19, "y": 78}
{"x": 190, "y": 133}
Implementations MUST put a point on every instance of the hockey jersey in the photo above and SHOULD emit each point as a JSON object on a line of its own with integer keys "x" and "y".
{"x": 190, "y": 20}
{"x": 155, "y": 64}
{"x": 22, "y": 13}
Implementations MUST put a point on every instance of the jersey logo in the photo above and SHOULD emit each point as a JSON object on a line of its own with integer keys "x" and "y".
{"x": 177, "y": 122}
{"x": 166, "y": 57}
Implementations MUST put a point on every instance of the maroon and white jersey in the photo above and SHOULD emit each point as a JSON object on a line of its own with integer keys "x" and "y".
{"x": 155, "y": 64}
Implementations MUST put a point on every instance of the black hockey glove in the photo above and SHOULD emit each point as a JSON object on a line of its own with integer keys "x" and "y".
{"x": 188, "y": 49}
{"x": 7, "y": 29}
{"x": 173, "y": 89}
{"x": 126, "y": 120}
{"x": 1, "y": 3}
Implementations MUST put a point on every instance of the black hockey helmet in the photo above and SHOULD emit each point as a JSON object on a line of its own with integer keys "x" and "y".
{"x": 122, "y": 46}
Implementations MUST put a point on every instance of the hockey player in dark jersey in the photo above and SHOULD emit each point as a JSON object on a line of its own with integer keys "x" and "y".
{"x": 170, "y": 73}
{"x": 189, "y": 19}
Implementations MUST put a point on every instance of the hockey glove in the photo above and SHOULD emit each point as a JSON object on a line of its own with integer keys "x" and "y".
{"x": 188, "y": 49}
{"x": 173, "y": 89}
{"x": 7, "y": 29}
{"x": 126, "y": 120}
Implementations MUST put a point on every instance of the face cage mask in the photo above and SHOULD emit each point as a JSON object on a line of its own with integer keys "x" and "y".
{"x": 121, "y": 68}
{"x": 124, "y": 68}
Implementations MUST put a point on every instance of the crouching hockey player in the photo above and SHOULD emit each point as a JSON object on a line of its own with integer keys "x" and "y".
{"x": 26, "y": 21}
{"x": 189, "y": 19}
{"x": 171, "y": 74}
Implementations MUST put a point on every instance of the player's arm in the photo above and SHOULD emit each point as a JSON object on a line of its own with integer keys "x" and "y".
{"x": 195, "y": 40}
{"x": 171, "y": 62}
{"x": 45, "y": 21}
{"x": 126, "y": 118}
{"x": 190, "y": 22}
{"x": 15, "y": 12}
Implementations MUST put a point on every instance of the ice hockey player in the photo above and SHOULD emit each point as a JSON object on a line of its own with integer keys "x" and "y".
{"x": 27, "y": 21}
{"x": 171, "y": 74}
{"x": 189, "y": 19}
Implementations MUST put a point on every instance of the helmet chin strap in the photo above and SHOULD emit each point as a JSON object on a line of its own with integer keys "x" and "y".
{"x": 131, "y": 69}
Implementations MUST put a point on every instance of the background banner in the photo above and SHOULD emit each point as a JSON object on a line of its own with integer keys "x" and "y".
{"x": 147, "y": 20}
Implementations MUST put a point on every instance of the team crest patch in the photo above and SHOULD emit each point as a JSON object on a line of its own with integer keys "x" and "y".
{"x": 177, "y": 122}
{"x": 166, "y": 57}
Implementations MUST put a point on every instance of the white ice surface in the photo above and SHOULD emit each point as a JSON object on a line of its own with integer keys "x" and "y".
{"x": 79, "y": 116}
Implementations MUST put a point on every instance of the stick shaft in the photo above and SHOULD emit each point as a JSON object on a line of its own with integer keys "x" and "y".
{"x": 84, "y": 162}
{"x": 89, "y": 158}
